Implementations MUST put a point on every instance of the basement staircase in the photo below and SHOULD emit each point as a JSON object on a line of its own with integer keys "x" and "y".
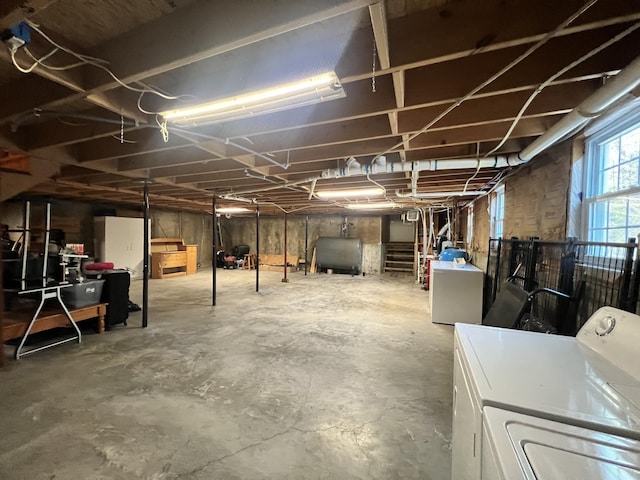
{"x": 399, "y": 258}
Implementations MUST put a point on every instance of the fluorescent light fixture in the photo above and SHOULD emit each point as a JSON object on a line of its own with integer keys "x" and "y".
{"x": 232, "y": 210}
{"x": 362, "y": 192}
{"x": 308, "y": 91}
{"x": 370, "y": 206}
{"x": 449, "y": 194}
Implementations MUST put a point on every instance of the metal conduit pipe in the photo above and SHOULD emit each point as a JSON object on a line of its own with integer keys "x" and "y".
{"x": 592, "y": 107}
{"x": 498, "y": 161}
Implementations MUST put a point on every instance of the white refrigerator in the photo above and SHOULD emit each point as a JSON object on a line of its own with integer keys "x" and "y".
{"x": 455, "y": 293}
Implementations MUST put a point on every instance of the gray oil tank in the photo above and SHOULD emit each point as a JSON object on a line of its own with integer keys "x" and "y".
{"x": 339, "y": 253}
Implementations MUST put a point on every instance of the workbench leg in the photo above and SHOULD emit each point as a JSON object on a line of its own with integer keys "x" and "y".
{"x": 101, "y": 313}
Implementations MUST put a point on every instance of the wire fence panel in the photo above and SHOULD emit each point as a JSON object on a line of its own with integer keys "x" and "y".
{"x": 593, "y": 274}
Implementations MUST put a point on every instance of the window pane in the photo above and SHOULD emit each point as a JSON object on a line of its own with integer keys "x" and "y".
{"x": 634, "y": 210}
{"x": 611, "y": 153}
{"x": 617, "y": 212}
{"x": 610, "y": 180}
{"x": 598, "y": 235}
{"x": 598, "y": 215}
{"x": 499, "y": 229}
{"x": 629, "y": 174}
{"x": 630, "y": 145}
{"x": 618, "y": 235}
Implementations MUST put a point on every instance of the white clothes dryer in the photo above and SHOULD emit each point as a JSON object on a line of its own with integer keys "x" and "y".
{"x": 588, "y": 381}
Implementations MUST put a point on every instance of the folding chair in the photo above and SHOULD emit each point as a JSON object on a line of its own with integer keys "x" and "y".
{"x": 512, "y": 308}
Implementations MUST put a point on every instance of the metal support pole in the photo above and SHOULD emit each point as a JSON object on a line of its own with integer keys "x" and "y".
{"x": 47, "y": 238}
{"x": 285, "y": 279}
{"x": 306, "y": 243}
{"x": 1, "y": 311}
{"x": 626, "y": 279}
{"x": 214, "y": 261}
{"x": 26, "y": 240}
{"x": 145, "y": 259}
{"x": 257, "y": 248}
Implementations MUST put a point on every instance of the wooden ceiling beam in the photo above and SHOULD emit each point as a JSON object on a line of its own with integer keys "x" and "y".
{"x": 13, "y": 12}
{"x": 453, "y": 79}
{"x": 553, "y": 100}
{"x": 137, "y": 142}
{"x": 526, "y": 128}
{"x": 203, "y": 30}
{"x": 425, "y": 38}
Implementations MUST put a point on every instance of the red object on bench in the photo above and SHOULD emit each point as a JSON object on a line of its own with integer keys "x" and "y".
{"x": 99, "y": 266}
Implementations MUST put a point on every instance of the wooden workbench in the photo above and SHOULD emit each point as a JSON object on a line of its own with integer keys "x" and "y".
{"x": 14, "y": 324}
{"x": 170, "y": 257}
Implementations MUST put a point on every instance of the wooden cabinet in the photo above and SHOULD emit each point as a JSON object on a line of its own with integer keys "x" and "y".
{"x": 192, "y": 259}
{"x": 168, "y": 264}
{"x": 120, "y": 240}
{"x": 170, "y": 257}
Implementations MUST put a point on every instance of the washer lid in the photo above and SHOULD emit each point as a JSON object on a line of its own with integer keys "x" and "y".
{"x": 534, "y": 448}
{"x": 549, "y": 376}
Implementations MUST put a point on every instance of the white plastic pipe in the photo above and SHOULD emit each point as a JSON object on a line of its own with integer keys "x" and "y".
{"x": 592, "y": 107}
{"x": 498, "y": 161}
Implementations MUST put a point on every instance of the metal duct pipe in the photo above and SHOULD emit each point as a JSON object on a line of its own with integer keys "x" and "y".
{"x": 592, "y": 107}
{"x": 498, "y": 161}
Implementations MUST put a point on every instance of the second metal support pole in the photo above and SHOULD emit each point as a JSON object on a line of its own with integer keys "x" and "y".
{"x": 285, "y": 279}
{"x": 214, "y": 257}
{"x": 145, "y": 260}
{"x": 257, "y": 248}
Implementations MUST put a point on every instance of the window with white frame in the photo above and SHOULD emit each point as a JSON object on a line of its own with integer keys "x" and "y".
{"x": 497, "y": 212}
{"x": 612, "y": 187}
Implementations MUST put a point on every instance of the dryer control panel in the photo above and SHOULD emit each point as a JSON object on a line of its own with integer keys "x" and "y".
{"x": 615, "y": 335}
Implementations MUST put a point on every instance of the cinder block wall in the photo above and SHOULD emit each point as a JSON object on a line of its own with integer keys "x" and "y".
{"x": 242, "y": 230}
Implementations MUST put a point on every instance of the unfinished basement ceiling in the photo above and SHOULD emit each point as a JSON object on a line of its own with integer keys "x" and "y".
{"x": 401, "y": 63}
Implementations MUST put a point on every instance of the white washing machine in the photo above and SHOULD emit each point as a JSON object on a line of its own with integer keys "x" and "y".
{"x": 591, "y": 381}
{"x": 455, "y": 293}
{"x": 517, "y": 446}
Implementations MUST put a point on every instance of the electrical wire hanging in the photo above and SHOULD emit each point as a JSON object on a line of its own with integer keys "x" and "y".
{"x": 475, "y": 174}
{"x": 99, "y": 64}
{"x": 556, "y": 75}
{"x": 31, "y": 67}
{"x": 491, "y": 79}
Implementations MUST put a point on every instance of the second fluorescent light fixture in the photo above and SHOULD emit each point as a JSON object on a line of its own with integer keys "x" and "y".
{"x": 361, "y": 192}
{"x": 232, "y": 210}
{"x": 319, "y": 88}
{"x": 370, "y": 206}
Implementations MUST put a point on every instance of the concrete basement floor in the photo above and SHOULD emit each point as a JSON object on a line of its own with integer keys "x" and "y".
{"x": 324, "y": 377}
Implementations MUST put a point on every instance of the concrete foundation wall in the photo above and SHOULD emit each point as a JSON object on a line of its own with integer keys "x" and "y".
{"x": 242, "y": 230}
{"x": 76, "y": 220}
{"x": 536, "y": 199}
{"x": 193, "y": 228}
